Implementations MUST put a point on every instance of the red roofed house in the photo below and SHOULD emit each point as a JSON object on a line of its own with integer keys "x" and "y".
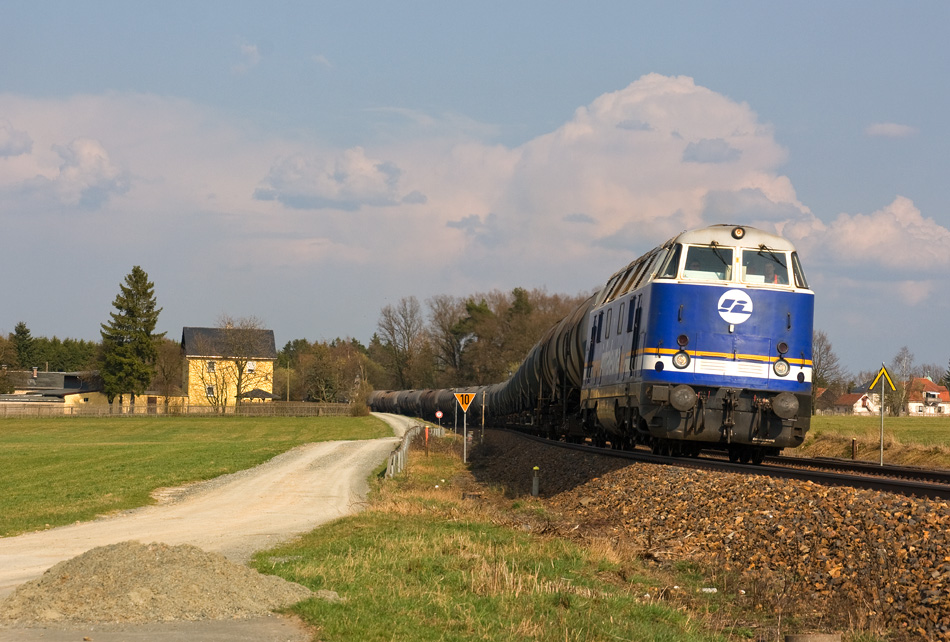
{"x": 855, "y": 403}
{"x": 924, "y": 397}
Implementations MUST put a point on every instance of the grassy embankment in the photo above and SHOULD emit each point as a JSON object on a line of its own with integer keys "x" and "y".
{"x": 916, "y": 441}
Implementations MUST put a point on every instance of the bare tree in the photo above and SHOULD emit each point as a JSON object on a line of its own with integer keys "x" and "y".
{"x": 827, "y": 371}
{"x": 246, "y": 341}
{"x": 402, "y": 335}
{"x": 448, "y": 337}
{"x": 932, "y": 371}
{"x": 169, "y": 367}
{"x": 902, "y": 371}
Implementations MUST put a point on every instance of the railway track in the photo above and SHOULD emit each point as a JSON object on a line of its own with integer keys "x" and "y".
{"x": 911, "y": 481}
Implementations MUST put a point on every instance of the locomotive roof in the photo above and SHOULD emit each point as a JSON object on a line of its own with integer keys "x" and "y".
{"x": 722, "y": 234}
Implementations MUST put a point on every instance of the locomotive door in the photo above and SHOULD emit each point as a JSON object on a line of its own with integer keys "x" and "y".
{"x": 633, "y": 325}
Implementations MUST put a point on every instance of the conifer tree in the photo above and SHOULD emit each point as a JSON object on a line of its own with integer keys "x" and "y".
{"x": 25, "y": 346}
{"x": 129, "y": 342}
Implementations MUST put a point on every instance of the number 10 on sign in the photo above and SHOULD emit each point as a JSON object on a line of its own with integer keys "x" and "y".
{"x": 465, "y": 400}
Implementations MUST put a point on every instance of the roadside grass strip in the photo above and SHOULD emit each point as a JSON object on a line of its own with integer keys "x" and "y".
{"x": 423, "y": 563}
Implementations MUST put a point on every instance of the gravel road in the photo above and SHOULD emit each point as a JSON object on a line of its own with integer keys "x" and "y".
{"x": 233, "y": 515}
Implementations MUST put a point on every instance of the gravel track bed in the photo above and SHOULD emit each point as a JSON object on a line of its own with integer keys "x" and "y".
{"x": 845, "y": 557}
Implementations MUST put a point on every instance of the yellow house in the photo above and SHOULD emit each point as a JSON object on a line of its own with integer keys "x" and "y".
{"x": 225, "y": 366}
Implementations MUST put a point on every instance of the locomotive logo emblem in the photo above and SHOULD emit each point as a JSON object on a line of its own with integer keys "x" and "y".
{"x": 735, "y": 306}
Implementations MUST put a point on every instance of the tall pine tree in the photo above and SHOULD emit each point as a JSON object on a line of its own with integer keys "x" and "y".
{"x": 129, "y": 342}
{"x": 25, "y": 346}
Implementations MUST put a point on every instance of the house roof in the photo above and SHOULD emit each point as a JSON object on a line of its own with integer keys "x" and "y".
{"x": 918, "y": 386}
{"x": 850, "y": 399}
{"x": 251, "y": 343}
{"x": 55, "y": 384}
{"x": 257, "y": 393}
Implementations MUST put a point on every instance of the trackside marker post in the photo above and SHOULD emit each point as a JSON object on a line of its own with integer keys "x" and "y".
{"x": 465, "y": 400}
{"x": 882, "y": 376}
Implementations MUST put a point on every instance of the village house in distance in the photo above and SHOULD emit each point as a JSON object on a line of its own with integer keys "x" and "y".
{"x": 227, "y": 365}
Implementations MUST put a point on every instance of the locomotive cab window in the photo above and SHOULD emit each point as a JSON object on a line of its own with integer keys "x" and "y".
{"x": 671, "y": 264}
{"x": 708, "y": 263}
{"x": 763, "y": 265}
{"x": 800, "y": 280}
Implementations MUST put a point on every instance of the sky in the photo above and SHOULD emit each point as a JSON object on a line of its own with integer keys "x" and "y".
{"x": 308, "y": 163}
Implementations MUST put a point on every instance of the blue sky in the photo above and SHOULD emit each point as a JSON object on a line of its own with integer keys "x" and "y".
{"x": 309, "y": 163}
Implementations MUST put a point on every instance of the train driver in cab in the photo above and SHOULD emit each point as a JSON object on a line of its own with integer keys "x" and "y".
{"x": 766, "y": 270}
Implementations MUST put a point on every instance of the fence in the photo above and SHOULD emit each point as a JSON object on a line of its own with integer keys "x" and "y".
{"x": 399, "y": 457}
{"x": 270, "y": 409}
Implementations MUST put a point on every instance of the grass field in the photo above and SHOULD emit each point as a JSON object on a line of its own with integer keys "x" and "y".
{"x": 921, "y": 441}
{"x": 61, "y": 470}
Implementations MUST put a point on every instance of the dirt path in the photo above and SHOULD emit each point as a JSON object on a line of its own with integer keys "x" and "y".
{"x": 234, "y": 515}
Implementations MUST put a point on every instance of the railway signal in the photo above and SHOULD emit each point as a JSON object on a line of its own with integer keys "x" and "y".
{"x": 465, "y": 400}
{"x": 882, "y": 376}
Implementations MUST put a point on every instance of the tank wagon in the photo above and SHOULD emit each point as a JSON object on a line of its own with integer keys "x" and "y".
{"x": 704, "y": 342}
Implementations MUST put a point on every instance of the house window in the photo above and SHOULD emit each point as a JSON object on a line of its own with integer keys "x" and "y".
{"x": 209, "y": 391}
{"x": 211, "y": 366}
{"x": 251, "y": 366}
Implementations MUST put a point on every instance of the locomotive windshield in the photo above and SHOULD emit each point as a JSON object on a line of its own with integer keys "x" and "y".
{"x": 764, "y": 265}
{"x": 708, "y": 263}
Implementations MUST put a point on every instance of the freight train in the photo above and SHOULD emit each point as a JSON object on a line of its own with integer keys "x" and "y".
{"x": 704, "y": 342}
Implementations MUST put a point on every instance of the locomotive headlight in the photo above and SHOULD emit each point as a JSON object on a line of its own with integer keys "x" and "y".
{"x": 781, "y": 368}
{"x": 738, "y": 233}
{"x": 681, "y": 359}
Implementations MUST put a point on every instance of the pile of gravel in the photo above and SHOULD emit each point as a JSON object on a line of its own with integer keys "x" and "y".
{"x": 134, "y": 583}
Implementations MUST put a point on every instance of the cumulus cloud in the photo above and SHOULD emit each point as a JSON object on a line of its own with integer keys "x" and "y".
{"x": 888, "y": 243}
{"x": 13, "y": 142}
{"x": 347, "y": 181}
{"x": 889, "y": 130}
{"x": 85, "y": 177}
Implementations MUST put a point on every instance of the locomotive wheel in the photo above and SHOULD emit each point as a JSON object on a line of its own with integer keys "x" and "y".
{"x": 734, "y": 455}
{"x": 757, "y": 456}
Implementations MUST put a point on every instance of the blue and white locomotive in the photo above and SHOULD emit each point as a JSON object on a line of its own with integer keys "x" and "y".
{"x": 706, "y": 340}
{"x": 703, "y": 342}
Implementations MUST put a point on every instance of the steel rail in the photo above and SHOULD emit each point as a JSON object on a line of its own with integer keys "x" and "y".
{"x": 930, "y": 489}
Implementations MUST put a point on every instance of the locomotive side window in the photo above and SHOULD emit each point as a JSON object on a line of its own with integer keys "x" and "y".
{"x": 609, "y": 315}
{"x": 800, "y": 280}
{"x": 763, "y": 265}
{"x": 671, "y": 264}
{"x": 708, "y": 263}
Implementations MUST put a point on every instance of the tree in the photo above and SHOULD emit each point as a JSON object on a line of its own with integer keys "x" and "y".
{"x": 7, "y": 358}
{"x": 24, "y": 344}
{"x": 402, "y": 336}
{"x": 946, "y": 376}
{"x": 827, "y": 371}
{"x": 129, "y": 341}
{"x": 244, "y": 341}
{"x": 169, "y": 368}
{"x": 902, "y": 371}
{"x": 448, "y": 338}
